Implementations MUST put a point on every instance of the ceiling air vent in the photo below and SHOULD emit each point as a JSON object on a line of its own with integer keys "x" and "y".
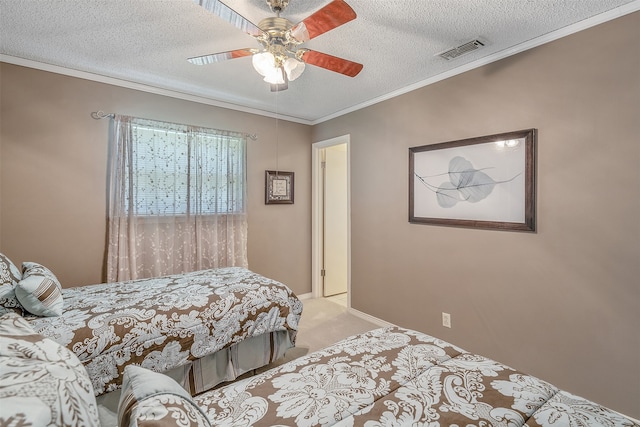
{"x": 461, "y": 50}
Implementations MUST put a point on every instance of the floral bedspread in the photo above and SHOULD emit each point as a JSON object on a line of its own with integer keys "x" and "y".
{"x": 165, "y": 322}
{"x": 399, "y": 377}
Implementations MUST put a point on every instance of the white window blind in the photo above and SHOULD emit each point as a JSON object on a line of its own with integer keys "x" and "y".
{"x": 180, "y": 170}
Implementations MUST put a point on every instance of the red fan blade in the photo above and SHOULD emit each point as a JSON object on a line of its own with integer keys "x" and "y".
{"x": 332, "y": 63}
{"x": 329, "y": 17}
{"x": 231, "y": 16}
{"x": 222, "y": 56}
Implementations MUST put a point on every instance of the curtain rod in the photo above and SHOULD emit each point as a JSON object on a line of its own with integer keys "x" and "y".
{"x": 98, "y": 115}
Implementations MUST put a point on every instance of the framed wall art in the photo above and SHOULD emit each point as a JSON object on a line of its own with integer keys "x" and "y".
{"x": 278, "y": 187}
{"x": 487, "y": 182}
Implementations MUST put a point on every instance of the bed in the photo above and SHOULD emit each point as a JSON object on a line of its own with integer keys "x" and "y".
{"x": 202, "y": 327}
{"x": 386, "y": 377}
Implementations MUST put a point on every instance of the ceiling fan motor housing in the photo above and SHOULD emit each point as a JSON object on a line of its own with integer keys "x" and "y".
{"x": 277, "y": 40}
{"x": 275, "y": 27}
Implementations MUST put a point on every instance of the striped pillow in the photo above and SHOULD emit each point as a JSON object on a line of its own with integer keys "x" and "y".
{"x": 39, "y": 291}
{"x": 9, "y": 278}
{"x": 150, "y": 399}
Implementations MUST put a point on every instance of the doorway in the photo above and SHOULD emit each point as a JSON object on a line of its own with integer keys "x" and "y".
{"x": 331, "y": 226}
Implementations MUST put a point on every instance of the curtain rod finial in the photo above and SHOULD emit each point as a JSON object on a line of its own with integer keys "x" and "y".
{"x": 101, "y": 115}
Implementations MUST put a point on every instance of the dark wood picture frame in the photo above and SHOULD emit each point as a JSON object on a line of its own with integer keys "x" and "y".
{"x": 487, "y": 182}
{"x": 278, "y": 187}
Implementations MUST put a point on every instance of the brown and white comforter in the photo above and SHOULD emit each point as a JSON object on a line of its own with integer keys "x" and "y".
{"x": 165, "y": 322}
{"x": 399, "y": 377}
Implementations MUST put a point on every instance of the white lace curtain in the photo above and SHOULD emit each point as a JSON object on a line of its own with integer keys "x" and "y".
{"x": 177, "y": 199}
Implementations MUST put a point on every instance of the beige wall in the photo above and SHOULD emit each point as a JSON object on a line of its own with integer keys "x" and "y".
{"x": 563, "y": 303}
{"x": 53, "y": 166}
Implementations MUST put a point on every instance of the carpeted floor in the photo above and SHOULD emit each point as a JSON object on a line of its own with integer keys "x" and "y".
{"x": 324, "y": 322}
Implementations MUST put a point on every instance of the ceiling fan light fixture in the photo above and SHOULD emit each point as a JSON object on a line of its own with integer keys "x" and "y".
{"x": 300, "y": 33}
{"x": 264, "y": 63}
{"x": 275, "y": 76}
{"x": 280, "y": 86}
{"x": 293, "y": 68}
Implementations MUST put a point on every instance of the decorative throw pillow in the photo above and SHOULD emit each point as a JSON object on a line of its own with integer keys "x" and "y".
{"x": 9, "y": 278}
{"x": 39, "y": 291}
{"x": 41, "y": 382}
{"x": 148, "y": 398}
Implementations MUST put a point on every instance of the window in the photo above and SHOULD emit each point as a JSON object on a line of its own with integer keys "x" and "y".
{"x": 177, "y": 199}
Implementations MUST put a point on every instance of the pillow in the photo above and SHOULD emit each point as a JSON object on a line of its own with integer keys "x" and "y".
{"x": 148, "y": 398}
{"x": 41, "y": 382}
{"x": 39, "y": 291}
{"x": 9, "y": 278}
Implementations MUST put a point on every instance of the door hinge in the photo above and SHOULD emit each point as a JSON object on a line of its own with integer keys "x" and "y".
{"x": 323, "y": 273}
{"x": 323, "y": 165}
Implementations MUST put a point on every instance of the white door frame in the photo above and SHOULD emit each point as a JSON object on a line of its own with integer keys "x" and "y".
{"x": 316, "y": 214}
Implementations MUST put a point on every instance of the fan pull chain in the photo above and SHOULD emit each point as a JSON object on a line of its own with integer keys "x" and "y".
{"x": 277, "y": 136}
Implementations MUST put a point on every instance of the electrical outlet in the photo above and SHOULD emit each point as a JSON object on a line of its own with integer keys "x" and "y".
{"x": 446, "y": 320}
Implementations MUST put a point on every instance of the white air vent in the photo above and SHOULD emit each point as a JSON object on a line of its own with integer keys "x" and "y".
{"x": 461, "y": 50}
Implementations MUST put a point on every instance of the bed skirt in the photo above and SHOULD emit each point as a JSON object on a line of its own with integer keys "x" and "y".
{"x": 225, "y": 365}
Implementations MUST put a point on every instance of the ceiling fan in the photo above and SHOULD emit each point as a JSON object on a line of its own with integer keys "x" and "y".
{"x": 281, "y": 59}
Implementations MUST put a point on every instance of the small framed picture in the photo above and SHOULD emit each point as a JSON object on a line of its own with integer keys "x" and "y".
{"x": 278, "y": 187}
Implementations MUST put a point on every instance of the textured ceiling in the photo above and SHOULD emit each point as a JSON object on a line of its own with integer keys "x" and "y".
{"x": 147, "y": 42}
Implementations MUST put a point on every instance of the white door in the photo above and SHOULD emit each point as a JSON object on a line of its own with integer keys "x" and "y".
{"x": 335, "y": 220}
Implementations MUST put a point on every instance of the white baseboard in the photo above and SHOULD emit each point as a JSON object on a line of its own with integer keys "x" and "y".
{"x": 354, "y": 312}
{"x": 308, "y": 295}
{"x": 369, "y": 318}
